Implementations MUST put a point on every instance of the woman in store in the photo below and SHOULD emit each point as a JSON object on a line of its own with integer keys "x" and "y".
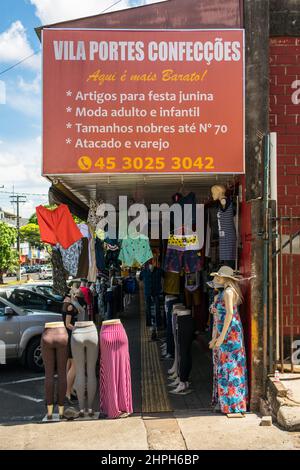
{"x": 70, "y": 315}
{"x": 230, "y": 388}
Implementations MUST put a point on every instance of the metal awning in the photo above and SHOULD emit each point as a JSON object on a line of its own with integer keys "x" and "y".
{"x": 149, "y": 189}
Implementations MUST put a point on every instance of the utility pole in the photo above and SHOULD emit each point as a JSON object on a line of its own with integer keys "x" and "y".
{"x": 17, "y": 199}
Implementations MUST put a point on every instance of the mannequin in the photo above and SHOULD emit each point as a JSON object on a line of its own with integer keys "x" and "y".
{"x": 116, "y": 321}
{"x": 230, "y": 391}
{"x": 169, "y": 350}
{"x": 115, "y": 373}
{"x": 174, "y": 371}
{"x": 70, "y": 316}
{"x": 54, "y": 346}
{"x": 84, "y": 344}
{"x": 218, "y": 193}
{"x": 222, "y": 229}
{"x": 185, "y": 335}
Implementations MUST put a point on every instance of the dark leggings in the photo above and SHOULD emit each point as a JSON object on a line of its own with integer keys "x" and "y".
{"x": 55, "y": 351}
{"x": 185, "y": 339}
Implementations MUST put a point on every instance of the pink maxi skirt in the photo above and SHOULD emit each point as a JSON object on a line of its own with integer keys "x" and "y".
{"x": 115, "y": 372}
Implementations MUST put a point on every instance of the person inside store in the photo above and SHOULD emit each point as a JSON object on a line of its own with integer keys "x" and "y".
{"x": 70, "y": 315}
{"x": 78, "y": 301}
{"x": 152, "y": 279}
{"x": 230, "y": 388}
{"x": 88, "y": 297}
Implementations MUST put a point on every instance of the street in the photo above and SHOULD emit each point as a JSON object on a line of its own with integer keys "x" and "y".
{"x": 12, "y": 279}
{"x": 21, "y": 394}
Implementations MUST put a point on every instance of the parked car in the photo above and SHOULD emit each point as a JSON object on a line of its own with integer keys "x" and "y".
{"x": 48, "y": 291}
{"x": 30, "y": 269}
{"x": 36, "y": 268}
{"x": 13, "y": 272}
{"x": 45, "y": 289}
{"x": 21, "y": 330}
{"x": 46, "y": 273}
{"x": 26, "y": 297}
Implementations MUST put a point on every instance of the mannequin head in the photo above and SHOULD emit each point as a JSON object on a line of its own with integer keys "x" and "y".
{"x": 218, "y": 191}
{"x": 228, "y": 282}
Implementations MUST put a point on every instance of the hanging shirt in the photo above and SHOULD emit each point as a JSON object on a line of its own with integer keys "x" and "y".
{"x": 70, "y": 257}
{"x": 135, "y": 251}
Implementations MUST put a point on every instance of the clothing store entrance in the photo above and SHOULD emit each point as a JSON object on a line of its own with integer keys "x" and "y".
{"x": 152, "y": 362}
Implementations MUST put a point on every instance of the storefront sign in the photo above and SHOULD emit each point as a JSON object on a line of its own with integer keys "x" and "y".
{"x": 121, "y": 101}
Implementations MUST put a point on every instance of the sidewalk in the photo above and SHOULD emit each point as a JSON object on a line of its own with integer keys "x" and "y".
{"x": 160, "y": 432}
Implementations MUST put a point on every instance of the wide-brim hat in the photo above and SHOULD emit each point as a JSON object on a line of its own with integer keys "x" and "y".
{"x": 226, "y": 271}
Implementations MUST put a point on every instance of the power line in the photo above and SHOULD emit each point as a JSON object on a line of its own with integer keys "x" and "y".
{"x": 20, "y": 62}
{"x": 24, "y": 194}
{"x": 108, "y": 8}
{"x": 36, "y": 52}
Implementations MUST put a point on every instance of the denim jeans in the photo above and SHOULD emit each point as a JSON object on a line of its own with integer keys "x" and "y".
{"x": 156, "y": 321}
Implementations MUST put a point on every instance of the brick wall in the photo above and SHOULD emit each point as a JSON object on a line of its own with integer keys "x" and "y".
{"x": 285, "y": 120}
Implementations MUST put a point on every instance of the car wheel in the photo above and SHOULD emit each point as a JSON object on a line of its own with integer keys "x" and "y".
{"x": 34, "y": 359}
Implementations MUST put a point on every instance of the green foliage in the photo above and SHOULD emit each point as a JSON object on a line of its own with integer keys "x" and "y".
{"x": 8, "y": 254}
{"x": 30, "y": 233}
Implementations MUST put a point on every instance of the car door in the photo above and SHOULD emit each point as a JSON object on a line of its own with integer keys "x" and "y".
{"x": 9, "y": 332}
{"x": 34, "y": 301}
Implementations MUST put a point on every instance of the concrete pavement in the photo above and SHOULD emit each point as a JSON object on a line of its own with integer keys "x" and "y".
{"x": 166, "y": 432}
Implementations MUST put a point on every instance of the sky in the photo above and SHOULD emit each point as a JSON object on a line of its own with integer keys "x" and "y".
{"x": 20, "y": 91}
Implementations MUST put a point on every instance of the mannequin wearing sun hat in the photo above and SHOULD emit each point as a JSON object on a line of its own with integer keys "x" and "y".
{"x": 230, "y": 391}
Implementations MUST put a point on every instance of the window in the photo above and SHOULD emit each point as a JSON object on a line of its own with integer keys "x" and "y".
{"x": 34, "y": 301}
{"x": 2, "y": 308}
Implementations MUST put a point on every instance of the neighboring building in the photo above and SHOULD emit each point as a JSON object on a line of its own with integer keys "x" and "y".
{"x": 11, "y": 219}
{"x": 285, "y": 121}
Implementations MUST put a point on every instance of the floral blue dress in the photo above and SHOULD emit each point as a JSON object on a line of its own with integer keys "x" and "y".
{"x": 230, "y": 387}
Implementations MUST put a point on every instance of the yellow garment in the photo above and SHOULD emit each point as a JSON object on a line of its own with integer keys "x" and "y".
{"x": 172, "y": 283}
{"x": 182, "y": 241}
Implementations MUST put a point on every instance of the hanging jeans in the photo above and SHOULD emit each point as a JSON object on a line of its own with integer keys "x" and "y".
{"x": 54, "y": 346}
{"x": 156, "y": 321}
{"x": 85, "y": 349}
{"x": 109, "y": 299}
{"x": 185, "y": 325}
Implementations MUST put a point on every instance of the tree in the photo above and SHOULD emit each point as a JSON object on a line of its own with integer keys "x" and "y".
{"x": 30, "y": 233}
{"x": 8, "y": 254}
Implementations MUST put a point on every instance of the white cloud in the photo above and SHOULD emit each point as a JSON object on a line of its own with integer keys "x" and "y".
{"x": 15, "y": 46}
{"x": 53, "y": 11}
{"x": 20, "y": 164}
{"x": 30, "y": 87}
{"x": 25, "y": 96}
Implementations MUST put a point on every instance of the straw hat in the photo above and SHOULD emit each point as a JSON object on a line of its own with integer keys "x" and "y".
{"x": 226, "y": 271}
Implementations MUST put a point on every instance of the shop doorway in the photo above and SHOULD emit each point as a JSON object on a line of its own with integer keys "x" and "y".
{"x": 151, "y": 391}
